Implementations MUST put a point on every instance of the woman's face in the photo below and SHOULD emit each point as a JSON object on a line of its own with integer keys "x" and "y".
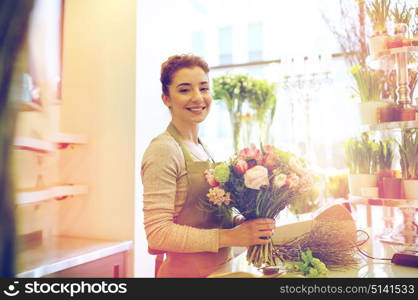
{"x": 190, "y": 98}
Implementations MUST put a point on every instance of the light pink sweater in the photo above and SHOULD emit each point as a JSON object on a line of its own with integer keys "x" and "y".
{"x": 164, "y": 179}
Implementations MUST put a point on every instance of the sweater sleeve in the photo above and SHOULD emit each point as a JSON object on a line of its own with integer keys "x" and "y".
{"x": 162, "y": 167}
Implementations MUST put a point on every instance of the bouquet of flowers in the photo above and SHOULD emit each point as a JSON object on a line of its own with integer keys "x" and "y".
{"x": 258, "y": 183}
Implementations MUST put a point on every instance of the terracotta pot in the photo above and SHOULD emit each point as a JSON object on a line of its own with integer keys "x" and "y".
{"x": 391, "y": 188}
{"x": 383, "y": 174}
{"x": 407, "y": 114}
{"x": 411, "y": 189}
{"x": 358, "y": 181}
{"x": 386, "y": 113}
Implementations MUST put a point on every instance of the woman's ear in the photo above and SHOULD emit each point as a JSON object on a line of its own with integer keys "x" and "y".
{"x": 166, "y": 99}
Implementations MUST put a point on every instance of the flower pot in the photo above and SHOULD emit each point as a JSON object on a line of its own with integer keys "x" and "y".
{"x": 407, "y": 114}
{"x": 383, "y": 174}
{"x": 377, "y": 44}
{"x": 358, "y": 181}
{"x": 369, "y": 111}
{"x": 387, "y": 113}
{"x": 410, "y": 189}
{"x": 391, "y": 188}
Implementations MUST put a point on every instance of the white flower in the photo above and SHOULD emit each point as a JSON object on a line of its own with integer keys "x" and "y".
{"x": 279, "y": 180}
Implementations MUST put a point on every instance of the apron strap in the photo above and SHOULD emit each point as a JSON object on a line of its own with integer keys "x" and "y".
{"x": 176, "y": 135}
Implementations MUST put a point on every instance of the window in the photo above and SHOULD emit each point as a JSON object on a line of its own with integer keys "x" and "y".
{"x": 225, "y": 45}
{"x": 255, "y": 41}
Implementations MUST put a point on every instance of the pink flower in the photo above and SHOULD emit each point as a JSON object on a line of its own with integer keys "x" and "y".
{"x": 269, "y": 161}
{"x": 250, "y": 153}
{"x": 255, "y": 177}
{"x": 292, "y": 180}
{"x": 268, "y": 149}
{"x": 210, "y": 178}
{"x": 241, "y": 167}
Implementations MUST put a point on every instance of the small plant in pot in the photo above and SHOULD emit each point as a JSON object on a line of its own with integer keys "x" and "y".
{"x": 408, "y": 151}
{"x": 368, "y": 89}
{"x": 389, "y": 186}
{"x": 378, "y": 12}
{"x": 361, "y": 159}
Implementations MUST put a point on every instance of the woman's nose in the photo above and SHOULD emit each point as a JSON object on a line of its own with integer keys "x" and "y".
{"x": 197, "y": 95}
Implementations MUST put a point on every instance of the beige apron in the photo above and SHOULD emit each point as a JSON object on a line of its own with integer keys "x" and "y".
{"x": 199, "y": 264}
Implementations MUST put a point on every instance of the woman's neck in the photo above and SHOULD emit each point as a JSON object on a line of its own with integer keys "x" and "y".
{"x": 189, "y": 132}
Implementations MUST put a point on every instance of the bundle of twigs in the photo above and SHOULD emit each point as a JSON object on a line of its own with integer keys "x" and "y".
{"x": 328, "y": 241}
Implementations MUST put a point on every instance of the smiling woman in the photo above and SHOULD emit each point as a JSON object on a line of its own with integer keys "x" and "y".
{"x": 195, "y": 241}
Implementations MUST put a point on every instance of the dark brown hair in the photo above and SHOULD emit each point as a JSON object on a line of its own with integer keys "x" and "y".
{"x": 177, "y": 62}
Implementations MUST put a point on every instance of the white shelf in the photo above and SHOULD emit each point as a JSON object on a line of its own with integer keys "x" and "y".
{"x": 402, "y": 203}
{"x": 36, "y": 196}
{"x": 69, "y": 138}
{"x": 398, "y": 50}
{"x": 391, "y": 125}
{"x": 30, "y": 106}
{"x": 60, "y": 253}
{"x": 33, "y": 144}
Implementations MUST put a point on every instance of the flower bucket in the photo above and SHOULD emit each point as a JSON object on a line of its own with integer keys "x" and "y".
{"x": 369, "y": 111}
{"x": 391, "y": 188}
{"x": 377, "y": 44}
{"x": 410, "y": 189}
{"x": 358, "y": 181}
{"x": 387, "y": 113}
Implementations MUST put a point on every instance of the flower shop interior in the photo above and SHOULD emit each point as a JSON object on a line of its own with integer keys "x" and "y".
{"x": 330, "y": 81}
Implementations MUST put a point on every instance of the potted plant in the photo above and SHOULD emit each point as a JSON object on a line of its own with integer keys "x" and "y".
{"x": 389, "y": 186}
{"x": 369, "y": 90}
{"x": 360, "y": 156}
{"x": 402, "y": 18}
{"x": 378, "y": 12}
{"x": 408, "y": 150}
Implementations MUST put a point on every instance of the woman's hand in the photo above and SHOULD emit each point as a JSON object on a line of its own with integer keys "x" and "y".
{"x": 248, "y": 233}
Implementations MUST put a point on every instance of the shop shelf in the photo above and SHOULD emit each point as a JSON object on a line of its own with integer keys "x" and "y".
{"x": 58, "y": 192}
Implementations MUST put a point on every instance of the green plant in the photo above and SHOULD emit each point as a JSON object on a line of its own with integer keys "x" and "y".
{"x": 235, "y": 91}
{"x": 361, "y": 155}
{"x": 402, "y": 15}
{"x": 408, "y": 151}
{"x": 385, "y": 154}
{"x": 369, "y": 85}
{"x": 263, "y": 101}
{"x": 378, "y": 12}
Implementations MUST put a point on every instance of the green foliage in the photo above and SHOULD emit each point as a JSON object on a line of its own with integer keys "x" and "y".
{"x": 402, "y": 15}
{"x": 385, "y": 155}
{"x": 378, "y": 12}
{"x": 221, "y": 173}
{"x": 308, "y": 265}
{"x": 369, "y": 86}
{"x": 408, "y": 150}
{"x": 235, "y": 90}
{"x": 361, "y": 155}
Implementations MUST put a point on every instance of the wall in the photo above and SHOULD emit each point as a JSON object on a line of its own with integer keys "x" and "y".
{"x": 99, "y": 101}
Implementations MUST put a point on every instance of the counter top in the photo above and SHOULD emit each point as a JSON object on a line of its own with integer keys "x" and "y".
{"x": 366, "y": 267}
{"x": 60, "y": 253}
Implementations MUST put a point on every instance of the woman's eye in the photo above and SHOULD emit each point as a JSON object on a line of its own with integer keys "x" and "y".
{"x": 183, "y": 90}
{"x": 204, "y": 89}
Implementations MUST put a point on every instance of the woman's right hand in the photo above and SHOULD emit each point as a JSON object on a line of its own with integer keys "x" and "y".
{"x": 252, "y": 232}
